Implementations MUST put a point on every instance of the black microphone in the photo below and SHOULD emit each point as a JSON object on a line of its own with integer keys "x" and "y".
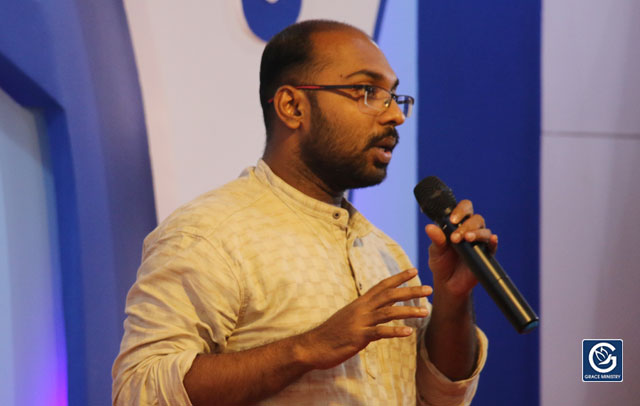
{"x": 437, "y": 201}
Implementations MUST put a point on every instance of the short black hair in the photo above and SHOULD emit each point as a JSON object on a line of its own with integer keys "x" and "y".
{"x": 288, "y": 59}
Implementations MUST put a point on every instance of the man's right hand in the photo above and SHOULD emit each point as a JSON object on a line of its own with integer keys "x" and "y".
{"x": 354, "y": 326}
{"x": 248, "y": 376}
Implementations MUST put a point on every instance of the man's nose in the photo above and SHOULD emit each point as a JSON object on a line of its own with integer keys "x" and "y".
{"x": 393, "y": 115}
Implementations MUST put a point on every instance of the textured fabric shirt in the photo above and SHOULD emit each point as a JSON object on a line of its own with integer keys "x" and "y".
{"x": 256, "y": 261}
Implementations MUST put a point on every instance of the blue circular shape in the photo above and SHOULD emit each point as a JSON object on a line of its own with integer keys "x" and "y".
{"x": 267, "y": 18}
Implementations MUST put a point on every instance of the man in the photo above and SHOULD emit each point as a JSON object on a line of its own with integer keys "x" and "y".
{"x": 274, "y": 290}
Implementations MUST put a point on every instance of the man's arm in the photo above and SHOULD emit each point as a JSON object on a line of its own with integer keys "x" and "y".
{"x": 451, "y": 338}
{"x": 248, "y": 376}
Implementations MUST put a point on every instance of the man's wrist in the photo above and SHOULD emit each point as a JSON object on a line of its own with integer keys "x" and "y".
{"x": 302, "y": 353}
{"x": 454, "y": 303}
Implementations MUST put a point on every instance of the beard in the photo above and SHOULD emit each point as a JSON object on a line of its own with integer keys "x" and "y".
{"x": 341, "y": 165}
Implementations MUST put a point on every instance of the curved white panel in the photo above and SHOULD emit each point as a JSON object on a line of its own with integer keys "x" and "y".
{"x": 198, "y": 65}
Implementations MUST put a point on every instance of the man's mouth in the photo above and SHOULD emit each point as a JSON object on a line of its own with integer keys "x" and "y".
{"x": 384, "y": 145}
{"x": 387, "y": 140}
{"x": 387, "y": 145}
{"x": 384, "y": 149}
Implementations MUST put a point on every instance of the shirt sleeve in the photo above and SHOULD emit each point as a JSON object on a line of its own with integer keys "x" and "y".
{"x": 435, "y": 389}
{"x": 185, "y": 301}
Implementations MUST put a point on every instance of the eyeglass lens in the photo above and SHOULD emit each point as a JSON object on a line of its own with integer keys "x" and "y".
{"x": 379, "y": 103}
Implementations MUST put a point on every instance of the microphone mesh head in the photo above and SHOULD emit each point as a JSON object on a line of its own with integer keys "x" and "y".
{"x": 434, "y": 197}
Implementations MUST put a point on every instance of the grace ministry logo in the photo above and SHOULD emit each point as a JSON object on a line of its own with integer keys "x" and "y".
{"x": 602, "y": 360}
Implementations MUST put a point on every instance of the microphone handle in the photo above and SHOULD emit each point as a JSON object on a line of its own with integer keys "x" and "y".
{"x": 494, "y": 280}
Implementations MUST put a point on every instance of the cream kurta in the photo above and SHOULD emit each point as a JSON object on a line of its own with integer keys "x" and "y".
{"x": 256, "y": 261}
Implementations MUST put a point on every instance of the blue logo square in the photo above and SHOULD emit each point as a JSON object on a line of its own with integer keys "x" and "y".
{"x": 601, "y": 360}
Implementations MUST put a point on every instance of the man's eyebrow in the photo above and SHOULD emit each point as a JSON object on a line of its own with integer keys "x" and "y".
{"x": 373, "y": 75}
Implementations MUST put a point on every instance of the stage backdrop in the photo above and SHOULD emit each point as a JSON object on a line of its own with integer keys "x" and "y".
{"x": 480, "y": 133}
{"x": 198, "y": 68}
{"x": 76, "y": 194}
{"x": 590, "y": 193}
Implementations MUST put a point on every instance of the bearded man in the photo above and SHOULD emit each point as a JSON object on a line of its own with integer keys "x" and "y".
{"x": 274, "y": 289}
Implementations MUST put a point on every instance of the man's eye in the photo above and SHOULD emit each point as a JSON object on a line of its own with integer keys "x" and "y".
{"x": 373, "y": 92}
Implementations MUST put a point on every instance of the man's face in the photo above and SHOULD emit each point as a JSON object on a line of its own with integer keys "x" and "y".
{"x": 331, "y": 153}
{"x": 345, "y": 146}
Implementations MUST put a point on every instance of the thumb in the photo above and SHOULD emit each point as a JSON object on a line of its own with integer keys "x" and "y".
{"x": 439, "y": 240}
{"x": 436, "y": 235}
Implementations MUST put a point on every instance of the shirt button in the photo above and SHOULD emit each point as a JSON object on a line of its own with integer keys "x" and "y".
{"x": 360, "y": 285}
{"x": 336, "y": 215}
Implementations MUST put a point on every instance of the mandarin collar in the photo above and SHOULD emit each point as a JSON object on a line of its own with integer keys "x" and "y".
{"x": 344, "y": 216}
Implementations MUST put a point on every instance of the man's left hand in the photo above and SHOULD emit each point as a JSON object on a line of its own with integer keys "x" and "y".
{"x": 450, "y": 275}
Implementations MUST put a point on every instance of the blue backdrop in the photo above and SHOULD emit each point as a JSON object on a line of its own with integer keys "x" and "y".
{"x": 479, "y": 122}
{"x": 479, "y": 131}
{"x": 73, "y": 60}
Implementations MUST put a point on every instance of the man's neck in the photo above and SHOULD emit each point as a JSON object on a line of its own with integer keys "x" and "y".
{"x": 299, "y": 176}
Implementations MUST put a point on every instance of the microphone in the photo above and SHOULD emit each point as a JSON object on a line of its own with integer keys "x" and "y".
{"x": 437, "y": 201}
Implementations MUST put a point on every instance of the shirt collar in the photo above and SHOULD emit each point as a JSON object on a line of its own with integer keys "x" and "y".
{"x": 345, "y": 216}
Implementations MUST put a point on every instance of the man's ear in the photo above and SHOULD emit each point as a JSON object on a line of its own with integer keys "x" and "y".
{"x": 290, "y": 105}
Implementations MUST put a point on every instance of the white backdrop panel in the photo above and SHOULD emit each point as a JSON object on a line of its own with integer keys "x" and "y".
{"x": 198, "y": 64}
{"x": 590, "y": 263}
{"x": 591, "y": 60}
{"x": 589, "y": 194}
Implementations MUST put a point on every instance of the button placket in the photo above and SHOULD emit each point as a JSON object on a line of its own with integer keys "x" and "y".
{"x": 353, "y": 253}
{"x": 355, "y": 245}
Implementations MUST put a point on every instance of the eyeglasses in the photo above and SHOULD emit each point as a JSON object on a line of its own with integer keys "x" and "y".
{"x": 371, "y": 99}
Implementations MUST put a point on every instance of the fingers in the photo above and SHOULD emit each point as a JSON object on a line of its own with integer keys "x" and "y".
{"x": 473, "y": 229}
{"x": 389, "y": 313}
{"x": 392, "y": 281}
{"x": 493, "y": 244}
{"x": 480, "y": 234}
{"x": 390, "y": 296}
{"x": 471, "y": 226}
{"x": 462, "y": 210}
{"x": 379, "y": 332}
{"x": 380, "y": 299}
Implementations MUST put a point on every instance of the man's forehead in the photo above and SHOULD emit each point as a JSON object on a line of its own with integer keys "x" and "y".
{"x": 351, "y": 54}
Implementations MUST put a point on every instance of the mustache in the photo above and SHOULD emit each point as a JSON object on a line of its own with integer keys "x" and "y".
{"x": 390, "y": 132}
